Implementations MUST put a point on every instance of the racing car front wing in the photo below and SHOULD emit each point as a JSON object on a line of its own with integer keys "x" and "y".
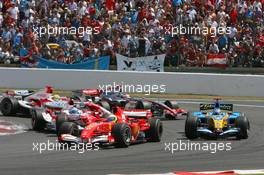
{"x": 228, "y": 133}
{"x": 77, "y": 140}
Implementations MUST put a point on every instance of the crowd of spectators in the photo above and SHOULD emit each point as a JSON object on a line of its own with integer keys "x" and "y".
{"x": 132, "y": 28}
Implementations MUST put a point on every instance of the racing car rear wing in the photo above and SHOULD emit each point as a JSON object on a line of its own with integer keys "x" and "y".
{"x": 225, "y": 107}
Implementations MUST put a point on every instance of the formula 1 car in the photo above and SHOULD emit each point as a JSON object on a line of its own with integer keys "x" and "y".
{"x": 87, "y": 95}
{"x": 44, "y": 116}
{"x": 101, "y": 97}
{"x": 98, "y": 125}
{"x": 168, "y": 109}
{"x": 21, "y": 101}
{"x": 109, "y": 100}
{"x": 216, "y": 120}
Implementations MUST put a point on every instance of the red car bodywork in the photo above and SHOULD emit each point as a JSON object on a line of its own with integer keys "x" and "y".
{"x": 98, "y": 127}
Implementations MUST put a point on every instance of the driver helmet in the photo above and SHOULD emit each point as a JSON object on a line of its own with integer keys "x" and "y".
{"x": 56, "y": 97}
{"x": 73, "y": 111}
{"x": 217, "y": 111}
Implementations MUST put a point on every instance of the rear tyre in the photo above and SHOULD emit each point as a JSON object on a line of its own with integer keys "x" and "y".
{"x": 191, "y": 125}
{"x": 105, "y": 105}
{"x": 144, "y": 104}
{"x": 9, "y": 106}
{"x": 131, "y": 105}
{"x": 243, "y": 124}
{"x": 37, "y": 121}
{"x": 157, "y": 111}
{"x": 172, "y": 104}
{"x": 69, "y": 128}
{"x": 123, "y": 104}
{"x": 122, "y": 134}
{"x": 155, "y": 132}
{"x": 59, "y": 121}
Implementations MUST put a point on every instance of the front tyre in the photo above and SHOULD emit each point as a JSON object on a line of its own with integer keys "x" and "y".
{"x": 37, "y": 121}
{"x": 9, "y": 106}
{"x": 172, "y": 104}
{"x": 191, "y": 125}
{"x": 243, "y": 124}
{"x": 69, "y": 128}
{"x": 59, "y": 121}
{"x": 105, "y": 105}
{"x": 122, "y": 134}
{"x": 155, "y": 132}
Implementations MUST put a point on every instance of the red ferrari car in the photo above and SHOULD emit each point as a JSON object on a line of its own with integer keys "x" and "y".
{"x": 98, "y": 125}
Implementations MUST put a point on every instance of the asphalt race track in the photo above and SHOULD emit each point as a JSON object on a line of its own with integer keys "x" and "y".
{"x": 17, "y": 155}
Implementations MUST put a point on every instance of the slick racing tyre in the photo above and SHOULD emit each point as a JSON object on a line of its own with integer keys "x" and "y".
{"x": 145, "y": 104}
{"x": 131, "y": 105}
{"x": 123, "y": 104}
{"x": 191, "y": 125}
{"x": 122, "y": 134}
{"x": 172, "y": 104}
{"x": 59, "y": 121}
{"x": 243, "y": 124}
{"x": 37, "y": 121}
{"x": 155, "y": 132}
{"x": 104, "y": 104}
{"x": 157, "y": 111}
{"x": 69, "y": 128}
{"x": 9, "y": 106}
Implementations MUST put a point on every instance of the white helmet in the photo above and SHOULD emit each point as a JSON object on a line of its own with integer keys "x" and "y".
{"x": 217, "y": 111}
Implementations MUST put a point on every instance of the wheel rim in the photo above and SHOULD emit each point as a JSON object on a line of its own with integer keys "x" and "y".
{"x": 160, "y": 130}
{"x": 74, "y": 131}
{"x": 7, "y": 107}
{"x": 127, "y": 135}
{"x": 33, "y": 120}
